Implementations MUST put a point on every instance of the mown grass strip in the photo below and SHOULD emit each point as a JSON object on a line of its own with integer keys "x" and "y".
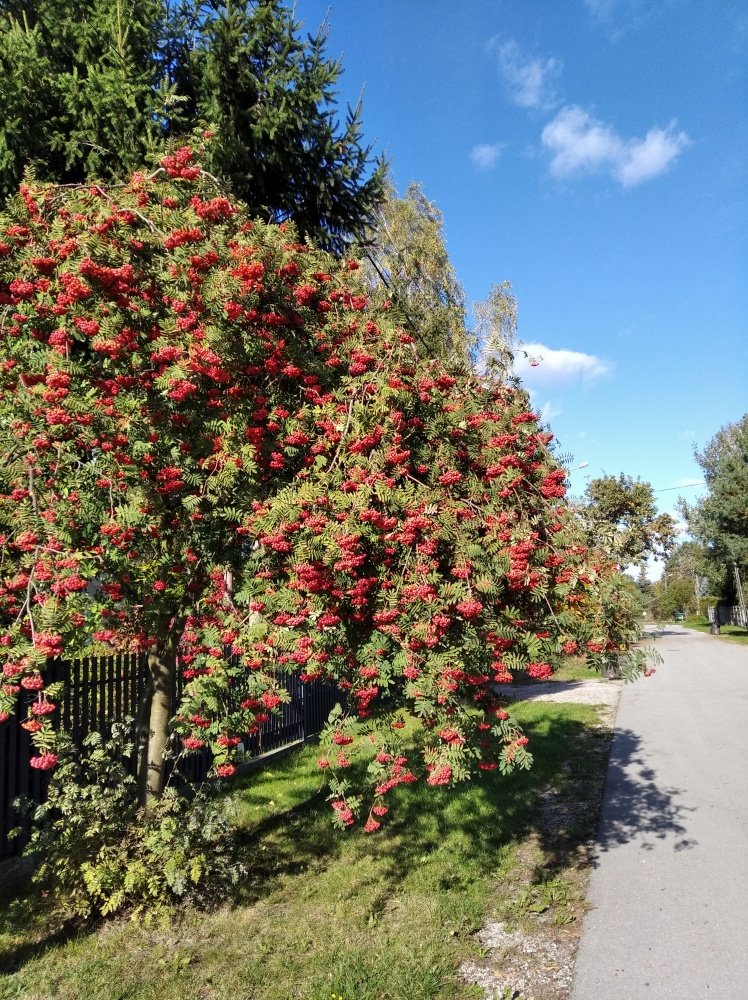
{"x": 324, "y": 914}
{"x": 733, "y": 633}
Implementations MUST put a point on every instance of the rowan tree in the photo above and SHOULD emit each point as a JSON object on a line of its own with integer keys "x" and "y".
{"x": 216, "y": 451}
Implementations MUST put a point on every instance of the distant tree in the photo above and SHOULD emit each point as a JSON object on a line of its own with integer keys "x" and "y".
{"x": 621, "y": 513}
{"x": 639, "y": 601}
{"x": 686, "y": 560}
{"x": 689, "y": 561}
{"x": 674, "y": 595}
{"x": 406, "y": 260}
{"x": 496, "y": 330}
{"x": 88, "y": 97}
{"x": 720, "y": 521}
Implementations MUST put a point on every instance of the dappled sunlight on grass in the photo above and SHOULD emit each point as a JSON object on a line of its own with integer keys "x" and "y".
{"x": 380, "y": 917}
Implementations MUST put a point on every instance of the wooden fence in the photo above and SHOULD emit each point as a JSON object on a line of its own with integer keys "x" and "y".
{"x": 99, "y": 691}
{"x": 724, "y": 615}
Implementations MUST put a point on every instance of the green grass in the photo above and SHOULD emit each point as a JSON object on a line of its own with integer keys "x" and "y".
{"x": 573, "y": 668}
{"x": 733, "y": 633}
{"x": 324, "y": 914}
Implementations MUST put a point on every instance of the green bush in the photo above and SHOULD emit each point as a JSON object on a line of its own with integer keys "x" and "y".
{"x": 705, "y": 603}
{"x": 99, "y": 854}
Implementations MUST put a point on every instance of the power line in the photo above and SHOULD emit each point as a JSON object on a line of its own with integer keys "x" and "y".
{"x": 689, "y": 487}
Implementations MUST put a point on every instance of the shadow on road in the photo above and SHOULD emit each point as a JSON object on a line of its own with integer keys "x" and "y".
{"x": 635, "y": 805}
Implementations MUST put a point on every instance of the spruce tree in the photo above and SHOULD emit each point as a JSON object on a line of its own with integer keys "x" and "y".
{"x": 89, "y": 97}
{"x": 719, "y": 521}
{"x": 80, "y": 94}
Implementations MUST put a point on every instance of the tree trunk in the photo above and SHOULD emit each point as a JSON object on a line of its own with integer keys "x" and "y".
{"x": 157, "y": 711}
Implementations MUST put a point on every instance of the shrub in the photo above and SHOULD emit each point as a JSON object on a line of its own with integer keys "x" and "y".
{"x": 100, "y": 855}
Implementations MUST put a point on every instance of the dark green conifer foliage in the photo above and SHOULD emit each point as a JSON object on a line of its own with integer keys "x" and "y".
{"x": 80, "y": 93}
{"x": 91, "y": 96}
{"x": 720, "y": 519}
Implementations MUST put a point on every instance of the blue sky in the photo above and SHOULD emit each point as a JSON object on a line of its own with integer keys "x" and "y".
{"x": 595, "y": 154}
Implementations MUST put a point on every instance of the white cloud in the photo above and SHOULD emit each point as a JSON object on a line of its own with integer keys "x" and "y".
{"x": 543, "y": 366}
{"x": 578, "y": 143}
{"x": 530, "y": 82}
{"x": 549, "y": 411}
{"x": 485, "y": 155}
{"x": 648, "y": 157}
{"x": 652, "y": 570}
{"x": 581, "y": 144}
{"x": 600, "y": 8}
{"x": 620, "y": 17}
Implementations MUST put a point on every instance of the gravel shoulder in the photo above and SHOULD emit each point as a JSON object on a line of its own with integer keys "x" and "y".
{"x": 598, "y": 692}
{"x": 531, "y": 953}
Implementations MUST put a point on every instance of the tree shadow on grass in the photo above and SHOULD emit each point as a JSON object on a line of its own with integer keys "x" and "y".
{"x": 465, "y": 831}
{"x": 557, "y": 802}
{"x": 288, "y": 843}
{"x": 16, "y": 956}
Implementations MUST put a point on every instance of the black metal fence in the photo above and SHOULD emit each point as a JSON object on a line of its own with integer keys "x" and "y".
{"x": 99, "y": 691}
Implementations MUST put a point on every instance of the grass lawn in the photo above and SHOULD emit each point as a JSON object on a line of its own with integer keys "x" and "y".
{"x": 733, "y": 633}
{"x": 575, "y": 668}
{"x": 331, "y": 916}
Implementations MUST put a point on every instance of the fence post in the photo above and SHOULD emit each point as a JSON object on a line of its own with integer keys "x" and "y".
{"x": 304, "y": 710}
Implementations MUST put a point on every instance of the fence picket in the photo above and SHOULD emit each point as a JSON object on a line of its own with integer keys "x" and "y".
{"x": 722, "y": 615}
{"x": 98, "y": 692}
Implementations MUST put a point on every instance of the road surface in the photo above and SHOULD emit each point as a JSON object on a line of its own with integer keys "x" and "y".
{"x": 669, "y": 890}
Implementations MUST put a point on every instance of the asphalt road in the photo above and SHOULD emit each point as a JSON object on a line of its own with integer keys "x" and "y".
{"x": 669, "y": 890}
